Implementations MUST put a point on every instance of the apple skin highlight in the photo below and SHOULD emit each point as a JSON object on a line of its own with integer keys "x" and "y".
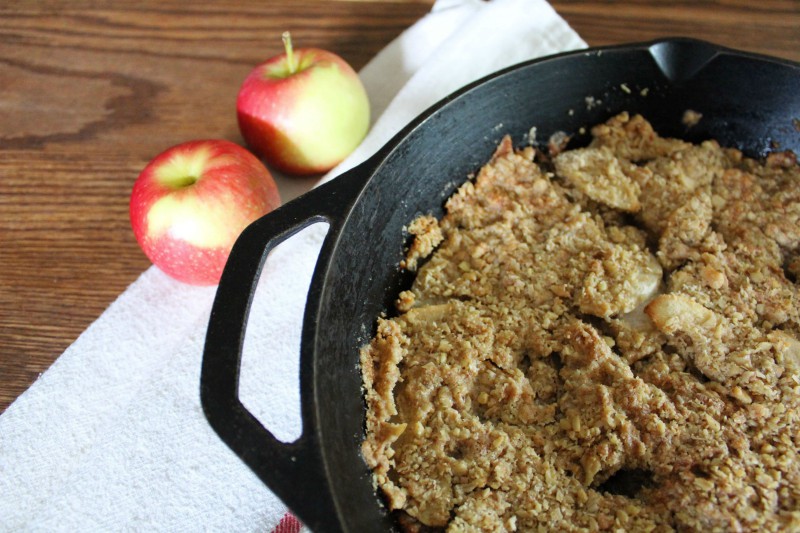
{"x": 306, "y": 119}
{"x": 191, "y": 202}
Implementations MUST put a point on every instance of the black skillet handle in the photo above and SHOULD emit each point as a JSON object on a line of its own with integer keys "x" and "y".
{"x": 293, "y": 471}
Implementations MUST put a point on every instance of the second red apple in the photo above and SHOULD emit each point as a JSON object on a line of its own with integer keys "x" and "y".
{"x": 303, "y": 111}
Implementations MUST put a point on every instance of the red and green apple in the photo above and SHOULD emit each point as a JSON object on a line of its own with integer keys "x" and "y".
{"x": 191, "y": 202}
{"x": 303, "y": 111}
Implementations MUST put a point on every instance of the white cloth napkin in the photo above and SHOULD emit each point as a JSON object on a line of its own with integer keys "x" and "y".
{"x": 112, "y": 437}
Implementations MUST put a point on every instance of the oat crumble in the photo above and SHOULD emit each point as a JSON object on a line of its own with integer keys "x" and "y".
{"x": 597, "y": 339}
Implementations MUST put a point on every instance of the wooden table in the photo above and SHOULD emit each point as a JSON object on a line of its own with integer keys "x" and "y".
{"x": 88, "y": 94}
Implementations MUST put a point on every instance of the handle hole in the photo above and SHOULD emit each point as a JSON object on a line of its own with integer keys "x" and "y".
{"x": 269, "y": 383}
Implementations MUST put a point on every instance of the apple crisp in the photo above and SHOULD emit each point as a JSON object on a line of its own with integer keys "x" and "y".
{"x": 601, "y": 338}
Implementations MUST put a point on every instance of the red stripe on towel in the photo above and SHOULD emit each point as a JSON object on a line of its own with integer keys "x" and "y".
{"x": 288, "y": 524}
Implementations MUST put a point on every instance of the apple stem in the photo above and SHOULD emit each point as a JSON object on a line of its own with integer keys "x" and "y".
{"x": 287, "y": 45}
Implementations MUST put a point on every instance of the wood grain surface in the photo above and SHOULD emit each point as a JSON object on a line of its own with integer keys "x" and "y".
{"x": 90, "y": 91}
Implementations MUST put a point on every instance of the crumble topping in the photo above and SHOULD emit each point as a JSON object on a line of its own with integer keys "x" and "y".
{"x": 601, "y": 338}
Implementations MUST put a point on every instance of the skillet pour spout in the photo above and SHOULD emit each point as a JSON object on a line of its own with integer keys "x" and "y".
{"x": 747, "y": 101}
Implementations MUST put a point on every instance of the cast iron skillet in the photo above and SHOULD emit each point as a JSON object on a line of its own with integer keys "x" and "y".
{"x": 747, "y": 101}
